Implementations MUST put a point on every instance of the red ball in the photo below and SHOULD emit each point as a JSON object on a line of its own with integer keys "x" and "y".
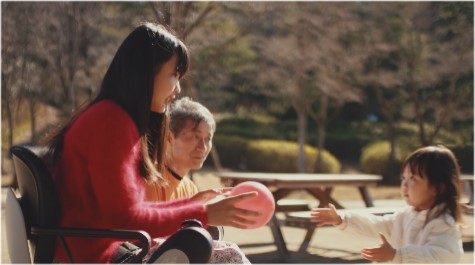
{"x": 263, "y": 202}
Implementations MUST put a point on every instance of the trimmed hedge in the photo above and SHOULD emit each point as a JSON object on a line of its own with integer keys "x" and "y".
{"x": 269, "y": 155}
{"x": 375, "y": 160}
{"x": 231, "y": 150}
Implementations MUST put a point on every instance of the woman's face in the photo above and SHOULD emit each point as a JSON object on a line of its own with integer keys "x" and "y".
{"x": 166, "y": 85}
{"x": 416, "y": 190}
{"x": 189, "y": 149}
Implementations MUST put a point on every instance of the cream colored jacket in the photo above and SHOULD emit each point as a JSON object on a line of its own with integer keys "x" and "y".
{"x": 439, "y": 241}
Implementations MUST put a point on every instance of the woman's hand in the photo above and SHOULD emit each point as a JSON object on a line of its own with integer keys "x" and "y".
{"x": 223, "y": 212}
{"x": 324, "y": 216}
{"x": 207, "y": 195}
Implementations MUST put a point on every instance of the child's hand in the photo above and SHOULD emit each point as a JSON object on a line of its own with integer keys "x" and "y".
{"x": 385, "y": 252}
{"x": 323, "y": 216}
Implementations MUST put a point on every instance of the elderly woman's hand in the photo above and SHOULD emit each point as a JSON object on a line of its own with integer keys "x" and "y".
{"x": 207, "y": 195}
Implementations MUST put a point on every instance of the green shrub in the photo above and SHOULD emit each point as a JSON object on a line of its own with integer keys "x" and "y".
{"x": 268, "y": 155}
{"x": 231, "y": 150}
{"x": 281, "y": 156}
{"x": 375, "y": 160}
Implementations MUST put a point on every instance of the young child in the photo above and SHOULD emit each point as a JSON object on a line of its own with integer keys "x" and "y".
{"x": 427, "y": 230}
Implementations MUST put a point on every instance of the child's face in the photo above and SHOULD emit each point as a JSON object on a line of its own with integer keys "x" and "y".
{"x": 166, "y": 85}
{"x": 189, "y": 149}
{"x": 416, "y": 190}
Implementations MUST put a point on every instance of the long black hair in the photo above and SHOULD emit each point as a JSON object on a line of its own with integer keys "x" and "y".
{"x": 129, "y": 82}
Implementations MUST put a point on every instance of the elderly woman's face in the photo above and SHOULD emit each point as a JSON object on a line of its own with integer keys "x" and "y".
{"x": 189, "y": 149}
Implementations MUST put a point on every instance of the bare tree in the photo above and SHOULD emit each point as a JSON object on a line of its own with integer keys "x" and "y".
{"x": 410, "y": 59}
{"x": 211, "y": 32}
{"x": 450, "y": 45}
{"x": 49, "y": 47}
{"x": 377, "y": 68}
{"x": 17, "y": 45}
{"x": 309, "y": 65}
{"x": 67, "y": 35}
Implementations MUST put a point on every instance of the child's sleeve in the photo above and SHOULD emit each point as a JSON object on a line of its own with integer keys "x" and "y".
{"x": 441, "y": 242}
{"x": 367, "y": 224}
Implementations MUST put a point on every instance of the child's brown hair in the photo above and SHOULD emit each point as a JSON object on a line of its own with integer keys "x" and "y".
{"x": 439, "y": 165}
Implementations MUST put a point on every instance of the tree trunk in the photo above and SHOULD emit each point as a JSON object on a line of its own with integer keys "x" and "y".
{"x": 32, "y": 105}
{"x": 321, "y": 124}
{"x": 388, "y": 112}
{"x": 419, "y": 115}
{"x": 6, "y": 101}
{"x": 391, "y": 138}
{"x": 9, "y": 121}
{"x": 302, "y": 136}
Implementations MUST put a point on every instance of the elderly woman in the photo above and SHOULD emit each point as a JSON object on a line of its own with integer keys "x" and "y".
{"x": 188, "y": 143}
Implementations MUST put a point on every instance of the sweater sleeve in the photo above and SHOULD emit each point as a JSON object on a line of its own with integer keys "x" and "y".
{"x": 112, "y": 155}
{"x": 367, "y": 224}
{"x": 443, "y": 244}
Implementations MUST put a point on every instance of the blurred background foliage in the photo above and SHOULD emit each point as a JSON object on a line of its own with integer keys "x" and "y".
{"x": 365, "y": 82}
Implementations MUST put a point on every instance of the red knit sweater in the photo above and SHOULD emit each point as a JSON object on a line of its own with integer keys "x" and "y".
{"x": 99, "y": 185}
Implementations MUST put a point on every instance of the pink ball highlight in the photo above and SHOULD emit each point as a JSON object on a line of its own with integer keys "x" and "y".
{"x": 264, "y": 202}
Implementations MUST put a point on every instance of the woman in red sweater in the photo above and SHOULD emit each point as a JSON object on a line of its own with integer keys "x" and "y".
{"x": 101, "y": 161}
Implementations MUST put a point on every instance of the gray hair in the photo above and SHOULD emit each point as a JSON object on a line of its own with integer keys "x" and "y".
{"x": 184, "y": 109}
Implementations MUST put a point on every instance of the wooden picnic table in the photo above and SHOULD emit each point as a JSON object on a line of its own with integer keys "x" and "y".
{"x": 319, "y": 186}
